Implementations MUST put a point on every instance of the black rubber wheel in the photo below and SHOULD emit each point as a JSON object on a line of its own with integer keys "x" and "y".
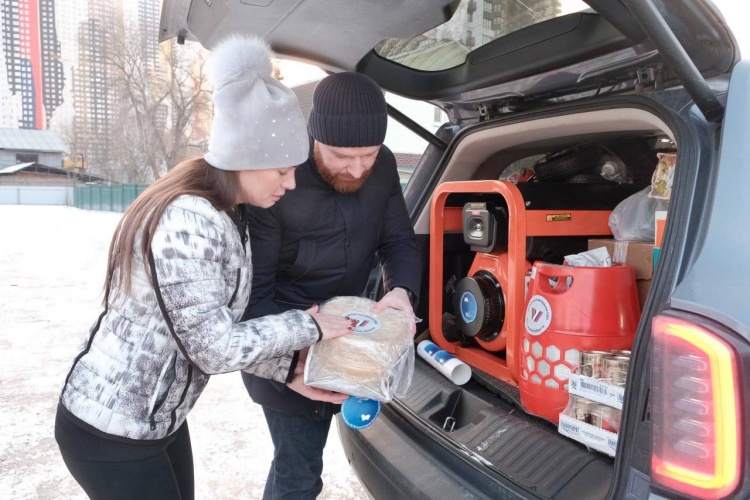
{"x": 562, "y": 164}
{"x": 586, "y": 178}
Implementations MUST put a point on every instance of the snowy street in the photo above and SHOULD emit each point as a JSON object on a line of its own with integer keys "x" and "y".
{"x": 52, "y": 265}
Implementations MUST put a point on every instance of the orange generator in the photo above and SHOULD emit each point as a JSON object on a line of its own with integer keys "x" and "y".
{"x": 503, "y": 223}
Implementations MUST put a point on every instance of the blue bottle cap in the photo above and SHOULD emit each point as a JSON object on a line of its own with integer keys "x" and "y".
{"x": 359, "y": 413}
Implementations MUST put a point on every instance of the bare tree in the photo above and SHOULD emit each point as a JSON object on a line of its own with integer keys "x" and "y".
{"x": 190, "y": 105}
{"x": 162, "y": 107}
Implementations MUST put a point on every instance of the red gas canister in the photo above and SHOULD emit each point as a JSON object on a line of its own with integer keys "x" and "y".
{"x": 569, "y": 310}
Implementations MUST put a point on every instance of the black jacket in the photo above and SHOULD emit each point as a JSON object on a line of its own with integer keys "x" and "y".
{"x": 315, "y": 244}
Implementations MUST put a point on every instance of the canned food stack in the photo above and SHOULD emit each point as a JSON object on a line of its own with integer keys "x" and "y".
{"x": 594, "y": 408}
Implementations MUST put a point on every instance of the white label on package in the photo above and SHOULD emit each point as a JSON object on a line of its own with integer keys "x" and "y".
{"x": 538, "y": 315}
{"x": 366, "y": 323}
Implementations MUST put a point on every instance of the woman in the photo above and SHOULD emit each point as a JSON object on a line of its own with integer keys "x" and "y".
{"x": 178, "y": 280}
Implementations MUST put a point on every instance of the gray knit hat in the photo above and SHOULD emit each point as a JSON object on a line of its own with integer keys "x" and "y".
{"x": 348, "y": 111}
{"x": 257, "y": 121}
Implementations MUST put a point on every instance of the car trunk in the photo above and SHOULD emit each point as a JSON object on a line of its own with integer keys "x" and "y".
{"x": 484, "y": 420}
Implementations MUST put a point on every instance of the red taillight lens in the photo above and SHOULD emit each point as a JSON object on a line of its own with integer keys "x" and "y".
{"x": 695, "y": 410}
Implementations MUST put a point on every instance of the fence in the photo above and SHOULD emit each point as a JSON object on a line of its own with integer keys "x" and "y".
{"x": 36, "y": 195}
{"x": 107, "y": 198}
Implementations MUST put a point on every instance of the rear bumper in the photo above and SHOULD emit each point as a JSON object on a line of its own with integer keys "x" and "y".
{"x": 393, "y": 459}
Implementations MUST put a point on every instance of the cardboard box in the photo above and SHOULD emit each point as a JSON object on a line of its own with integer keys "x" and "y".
{"x": 643, "y": 286}
{"x": 638, "y": 254}
{"x": 596, "y": 390}
{"x": 591, "y": 436}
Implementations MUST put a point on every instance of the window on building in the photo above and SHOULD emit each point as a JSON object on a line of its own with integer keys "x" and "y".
{"x": 27, "y": 158}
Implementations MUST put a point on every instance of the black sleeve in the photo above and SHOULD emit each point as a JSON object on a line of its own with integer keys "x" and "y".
{"x": 397, "y": 248}
{"x": 265, "y": 243}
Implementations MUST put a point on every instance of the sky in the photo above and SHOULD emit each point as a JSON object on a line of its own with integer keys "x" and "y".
{"x": 737, "y": 12}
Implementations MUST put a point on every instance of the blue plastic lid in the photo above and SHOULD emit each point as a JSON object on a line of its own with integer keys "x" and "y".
{"x": 359, "y": 413}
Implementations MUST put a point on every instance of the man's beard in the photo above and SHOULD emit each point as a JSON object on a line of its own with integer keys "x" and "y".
{"x": 344, "y": 185}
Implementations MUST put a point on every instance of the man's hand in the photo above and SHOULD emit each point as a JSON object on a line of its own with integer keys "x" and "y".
{"x": 298, "y": 384}
{"x": 397, "y": 299}
{"x": 301, "y": 360}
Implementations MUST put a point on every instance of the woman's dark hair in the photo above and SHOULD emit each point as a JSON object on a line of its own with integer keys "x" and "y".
{"x": 191, "y": 177}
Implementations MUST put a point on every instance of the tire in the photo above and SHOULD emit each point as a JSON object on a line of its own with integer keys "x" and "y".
{"x": 586, "y": 178}
{"x": 560, "y": 165}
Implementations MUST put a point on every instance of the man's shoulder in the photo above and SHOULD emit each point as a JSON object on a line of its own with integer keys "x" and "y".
{"x": 385, "y": 168}
{"x": 386, "y": 155}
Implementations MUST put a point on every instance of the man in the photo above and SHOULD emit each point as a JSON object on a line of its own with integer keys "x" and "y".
{"x": 320, "y": 241}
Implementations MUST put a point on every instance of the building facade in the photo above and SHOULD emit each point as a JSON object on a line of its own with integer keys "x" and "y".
{"x": 33, "y": 68}
{"x": 56, "y": 73}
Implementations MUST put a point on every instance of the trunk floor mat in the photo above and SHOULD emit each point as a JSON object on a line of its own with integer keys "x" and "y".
{"x": 527, "y": 450}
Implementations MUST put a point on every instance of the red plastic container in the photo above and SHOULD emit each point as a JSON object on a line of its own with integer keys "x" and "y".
{"x": 569, "y": 310}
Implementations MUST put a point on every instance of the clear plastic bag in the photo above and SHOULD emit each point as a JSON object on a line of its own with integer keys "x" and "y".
{"x": 661, "y": 180}
{"x": 375, "y": 361}
{"x": 633, "y": 218}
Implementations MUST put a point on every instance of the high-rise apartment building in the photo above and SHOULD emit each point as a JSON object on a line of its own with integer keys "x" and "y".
{"x": 94, "y": 95}
{"x": 57, "y": 72}
{"x": 69, "y": 14}
{"x": 97, "y": 90}
{"x": 33, "y": 68}
{"x": 149, "y": 12}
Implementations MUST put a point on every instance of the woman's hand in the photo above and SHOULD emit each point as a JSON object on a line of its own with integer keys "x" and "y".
{"x": 331, "y": 326}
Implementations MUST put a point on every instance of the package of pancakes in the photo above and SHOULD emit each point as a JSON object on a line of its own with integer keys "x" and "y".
{"x": 375, "y": 361}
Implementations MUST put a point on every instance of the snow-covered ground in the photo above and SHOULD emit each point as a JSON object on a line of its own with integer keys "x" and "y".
{"x": 52, "y": 265}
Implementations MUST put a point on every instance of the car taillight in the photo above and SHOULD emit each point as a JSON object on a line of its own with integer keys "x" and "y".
{"x": 695, "y": 409}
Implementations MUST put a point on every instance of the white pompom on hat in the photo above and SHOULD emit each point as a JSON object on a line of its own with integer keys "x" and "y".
{"x": 257, "y": 120}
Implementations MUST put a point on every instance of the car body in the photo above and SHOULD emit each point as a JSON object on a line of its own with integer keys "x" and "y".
{"x": 637, "y": 76}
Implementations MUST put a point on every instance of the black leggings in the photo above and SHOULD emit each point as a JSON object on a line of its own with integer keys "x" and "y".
{"x": 165, "y": 475}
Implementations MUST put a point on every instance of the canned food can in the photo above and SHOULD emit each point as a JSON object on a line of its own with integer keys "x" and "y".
{"x": 609, "y": 418}
{"x": 596, "y": 416}
{"x": 590, "y": 363}
{"x": 582, "y": 409}
{"x": 620, "y": 353}
{"x": 615, "y": 368}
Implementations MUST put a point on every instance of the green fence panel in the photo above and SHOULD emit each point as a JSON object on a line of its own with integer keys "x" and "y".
{"x": 96, "y": 198}
{"x": 108, "y": 198}
{"x": 86, "y": 198}
{"x": 117, "y": 204}
{"x": 129, "y": 193}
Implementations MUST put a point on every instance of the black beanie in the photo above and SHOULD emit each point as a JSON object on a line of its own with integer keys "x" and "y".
{"x": 348, "y": 111}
